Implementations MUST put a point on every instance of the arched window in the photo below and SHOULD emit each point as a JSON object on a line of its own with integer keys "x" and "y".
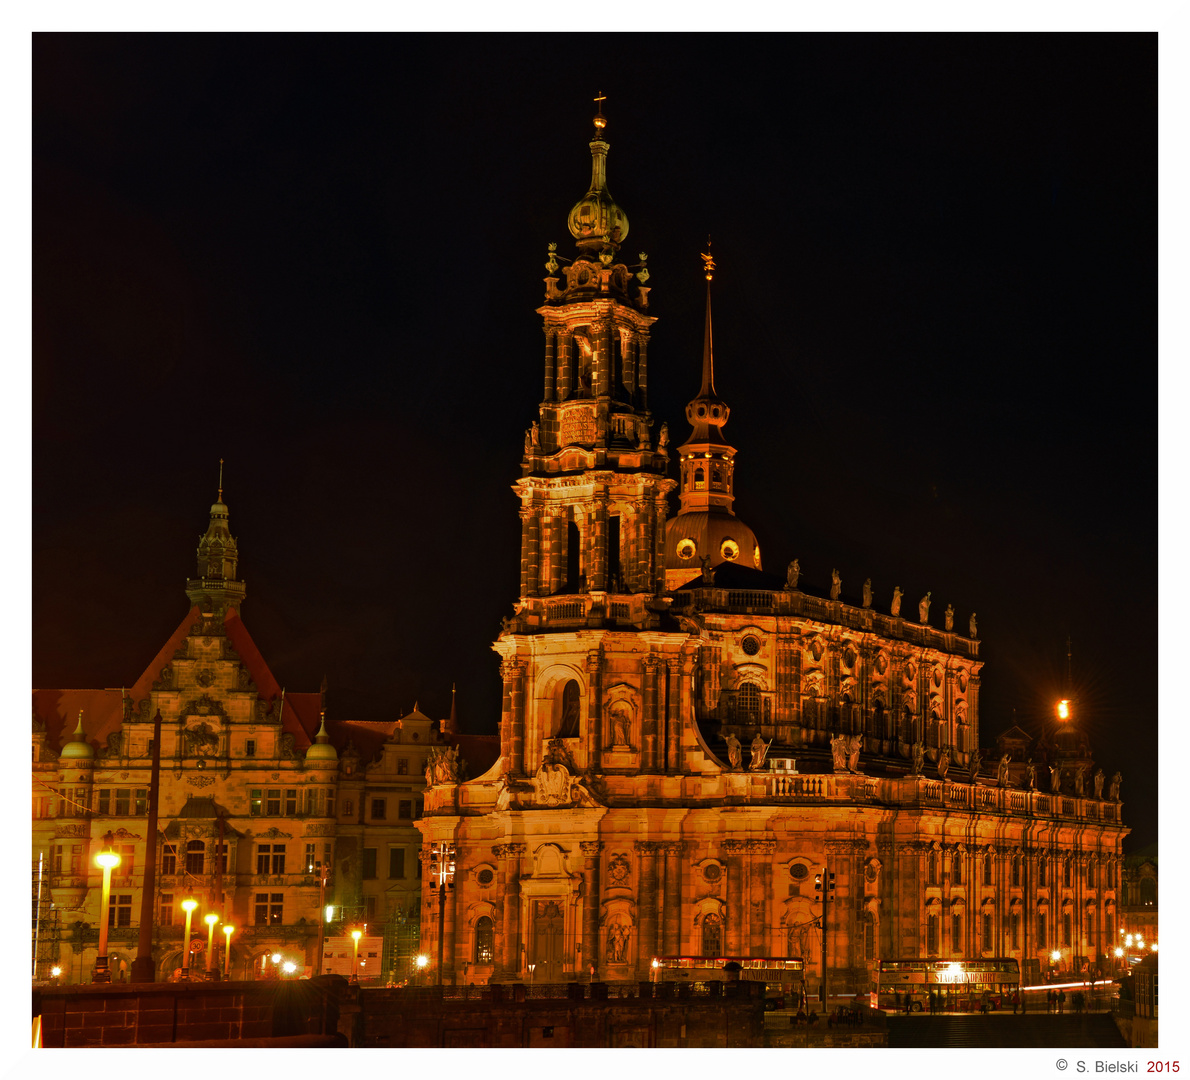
{"x": 956, "y": 868}
{"x": 932, "y": 933}
{"x": 700, "y": 479}
{"x": 484, "y": 940}
{"x": 196, "y": 852}
{"x": 712, "y": 935}
{"x": 1066, "y": 872}
{"x": 956, "y": 931}
{"x": 568, "y": 722}
{"x": 987, "y": 869}
{"x": 749, "y": 703}
{"x": 1016, "y": 870}
{"x": 1148, "y": 892}
{"x": 932, "y": 868}
{"x": 716, "y": 478}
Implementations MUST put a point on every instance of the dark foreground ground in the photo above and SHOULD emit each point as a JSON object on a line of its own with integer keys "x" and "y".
{"x": 1000, "y": 1029}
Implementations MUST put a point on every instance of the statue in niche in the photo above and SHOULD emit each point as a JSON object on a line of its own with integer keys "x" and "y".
{"x": 949, "y": 616}
{"x": 759, "y": 749}
{"x": 971, "y": 627}
{"x": 442, "y": 766}
{"x": 621, "y": 720}
{"x": 1055, "y": 779}
{"x": 919, "y": 758}
{"x": 734, "y": 754}
{"x": 853, "y": 748}
{"x": 708, "y": 573}
{"x": 535, "y": 436}
{"x": 1097, "y": 783}
{"x": 792, "y": 573}
{"x": 663, "y": 438}
{"x": 1030, "y": 775}
{"x": 617, "y": 943}
{"x": 943, "y": 762}
{"x": 1080, "y": 781}
{"x": 1002, "y": 771}
{"x": 974, "y": 764}
{"x": 923, "y": 609}
{"x": 896, "y": 600}
{"x": 528, "y": 442}
{"x": 1113, "y": 792}
{"x": 868, "y": 593}
{"x": 836, "y": 584}
{"x": 839, "y": 752}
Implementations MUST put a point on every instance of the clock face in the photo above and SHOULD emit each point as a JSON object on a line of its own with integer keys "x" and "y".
{"x": 686, "y": 548}
{"x": 729, "y": 549}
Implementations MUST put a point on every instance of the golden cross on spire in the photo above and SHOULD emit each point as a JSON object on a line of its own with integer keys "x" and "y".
{"x": 600, "y": 122}
{"x": 708, "y": 261}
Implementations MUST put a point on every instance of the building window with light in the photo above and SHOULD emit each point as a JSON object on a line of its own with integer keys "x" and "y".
{"x": 267, "y": 911}
{"x": 165, "y": 909}
{"x": 700, "y": 479}
{"x": 749, "y": 703}
{"x": 123, "y": 872}
{"x": 196, "y": 853}
{"x": 255, "y": 806}
{"x": 119, "y": 912}
{"x": 169, "y": 859}
{"x": 712, "y": 935}
{"x": 311, "y": 857}
{"x": 484, "y": 940}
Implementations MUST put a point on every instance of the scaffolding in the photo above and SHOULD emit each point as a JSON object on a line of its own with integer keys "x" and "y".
{"x": 47, "y": 926}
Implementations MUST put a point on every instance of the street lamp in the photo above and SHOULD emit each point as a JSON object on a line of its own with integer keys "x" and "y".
{"x": 228, "y": 930}
{"x": 188, "y": 906}
{"x": 421, "y": 962}
{"x": 211, "y": 919}
{"x": 442, "y": 866}
{"x": 355, "y": 936}
{"x": 108, "y": 860}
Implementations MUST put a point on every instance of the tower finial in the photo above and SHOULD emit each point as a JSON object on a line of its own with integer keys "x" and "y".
{"x": 708, "y": 358}
{"x": 600, "y": 122}
{"x": 220, "y": 499}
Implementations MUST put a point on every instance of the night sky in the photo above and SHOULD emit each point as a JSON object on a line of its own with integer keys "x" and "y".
{"x": 319, "y": 258}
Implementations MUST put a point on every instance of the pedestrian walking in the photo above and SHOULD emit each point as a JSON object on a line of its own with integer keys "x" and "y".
{"x": 1061, "y": 1001}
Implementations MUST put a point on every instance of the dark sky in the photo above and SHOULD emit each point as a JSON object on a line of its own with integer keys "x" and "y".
{"x": 319, "y": 258}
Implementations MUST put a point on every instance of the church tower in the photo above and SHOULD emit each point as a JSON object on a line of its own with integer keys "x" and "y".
{"x": 706, "y": 531}
{"x": 593, "y": 487}
{"x": 215, "y": 588}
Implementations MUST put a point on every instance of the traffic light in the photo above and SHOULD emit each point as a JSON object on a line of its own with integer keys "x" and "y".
{"x": 830, "y": 886}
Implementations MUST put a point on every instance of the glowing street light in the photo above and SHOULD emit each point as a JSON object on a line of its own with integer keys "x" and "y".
{"x": 532, "y": 967}
{"x": 1119, "y": 952}
{"x": 210, "y": 919}
{"x": 108, "y": 860}
{"x": 1064, "y": 709}
{"x": 55, "y": 971}
{"x": 355, "y": 936}
{"x": 289, "y": 967}
{"x": 188, "y": 906}
{"x": 228, "y": 930}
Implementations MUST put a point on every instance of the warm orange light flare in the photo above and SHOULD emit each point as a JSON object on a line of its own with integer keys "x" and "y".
{"x": 1064, "y": 709}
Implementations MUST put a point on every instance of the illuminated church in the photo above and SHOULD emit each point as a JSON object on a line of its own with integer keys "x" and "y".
{"x": 687, "y": 739}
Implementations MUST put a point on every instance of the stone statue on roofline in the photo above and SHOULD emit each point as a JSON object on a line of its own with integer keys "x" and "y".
{"x": 1080, "y": 781}
{"x": 836, "y": 584}
{"x": 1055, "y": 779}
{"x": 868, "y": 593}
{"x": 1097, "y": 783}
{"x": 1002, "y": 771}
{"x": 792, "y": 572}
{"x": 854, "y": 745}
{"x": 971, "y": 627}
{"x": 923, "y": 608}
{"x": 949, "y": 616}
{"x": 896, "y": 601}
{"x": 974, "y": 764}
{"x": 1114, "y": 791}
{"x": 1030, "y": 775}
{"x": 839, "y": 752}
{"x": 759, "y": 749}
{"x": 919, "y": 758}
{"x": 734, "y": 751}
{"x": 943, "y": 763}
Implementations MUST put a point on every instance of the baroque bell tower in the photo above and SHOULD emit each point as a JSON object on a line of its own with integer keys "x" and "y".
{"x": 593, "y": 487}
{"x": 215, "y": 588}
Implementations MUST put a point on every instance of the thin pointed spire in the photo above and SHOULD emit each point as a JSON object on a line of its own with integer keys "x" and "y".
{"x": 453, "y": 713}
{"x": 220, "y": 499}
{"x": 708, "y": 356}
{"x": 79, "y": 734}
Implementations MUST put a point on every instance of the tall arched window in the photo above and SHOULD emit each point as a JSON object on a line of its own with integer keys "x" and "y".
{"x": 712, "y": 935}
{"x": 749, "y": 703}
{"x": 956, "y": 869}
{"x": 700, "y": 479}
{"x": 484, "y": 940}
{"x": 568, "y": 722}
{"x": 932, "y": 868}
{"x": 196, "y": 852}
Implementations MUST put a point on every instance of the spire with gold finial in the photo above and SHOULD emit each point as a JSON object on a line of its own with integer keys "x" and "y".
{"x": 215, "y": 588}
{"x": 595, "y": 221}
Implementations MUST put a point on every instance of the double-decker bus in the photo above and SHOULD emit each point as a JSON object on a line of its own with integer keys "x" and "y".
{"x": 962, "y": 985}
{"x": 783, "y": 975}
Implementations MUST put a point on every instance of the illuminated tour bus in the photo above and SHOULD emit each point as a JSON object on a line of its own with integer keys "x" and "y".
{"x": 782, "y": 974}
{"x": 960, "y": 984}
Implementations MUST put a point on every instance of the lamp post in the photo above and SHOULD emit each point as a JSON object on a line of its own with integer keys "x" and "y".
{"x": 188, "y": 906}
{"x": 211, "y": 919}
{"x": 228, "y": 930}
{"x": 108, "y": 860}
{"x": 531, "y": 969}
{"x": 422, "y": 961}
{"x": 324, "y": 913}
{"x": 442, "y": 866}
{"x": 355, "y": 936}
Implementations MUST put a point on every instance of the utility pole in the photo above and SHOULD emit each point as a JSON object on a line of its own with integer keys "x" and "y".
{"x": 824, "y": 885}
{"x": 143, "y": 968}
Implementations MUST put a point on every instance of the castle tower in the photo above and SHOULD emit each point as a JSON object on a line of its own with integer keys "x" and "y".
{"x": 593, "y": 487}
{"x": 706, "y": 528}
{"x": 215, "y": 589}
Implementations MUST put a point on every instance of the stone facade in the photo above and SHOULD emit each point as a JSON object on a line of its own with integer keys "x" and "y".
{"x": 683, "y": 751}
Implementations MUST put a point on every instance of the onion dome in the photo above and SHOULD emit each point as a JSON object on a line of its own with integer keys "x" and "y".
{"x": 321, "y": 749}
{"x": 596, "y": 221}
{"x": 78, "y": 747}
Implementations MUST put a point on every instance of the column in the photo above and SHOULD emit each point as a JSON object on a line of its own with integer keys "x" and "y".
{"x": 591, "y": 902}
{"x": 630, "y": 367}
{"x": 594, "y": 709}
{"x": 646, "y": 938}
{"x": 597, "y": 548}
{"x": 564, "y": 350}
{"x": 762, "y": 892}
{"x": 673, "y": 752}
{"x": 601, "y": 362}
{"x": 659, "y": 546}
{"x": 550, "y": 339}
{"x": 648, "y": 727}
{"x": 517, "y": 743}
{"x": 671, "y": 917}
{"x": 450, "y": 962}
{"x": 737, "y": 918}
{"x": 533, "y": 576}
{"x": 526, "y": 562}
{"x": 507, "y": 673}
{"x": 556, "y": 525}
{"x": 642, "y": 370}
{"x": 509, "y": 856}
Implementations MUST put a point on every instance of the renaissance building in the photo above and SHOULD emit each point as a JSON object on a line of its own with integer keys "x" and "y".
{"x": 687, "y": 740}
